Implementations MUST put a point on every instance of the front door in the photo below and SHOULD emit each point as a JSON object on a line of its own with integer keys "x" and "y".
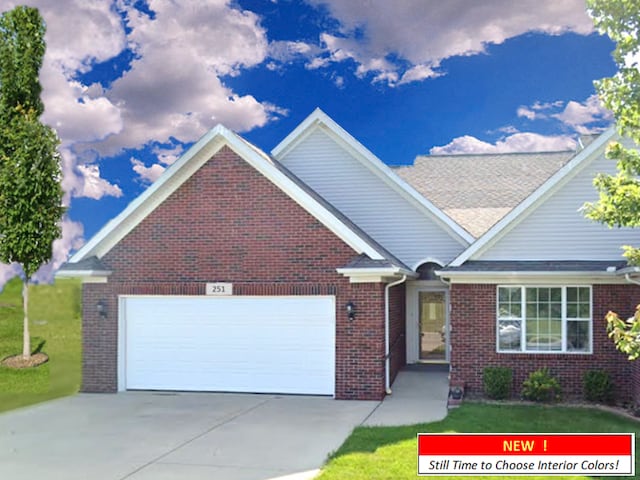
{"x": 432, "y": 318}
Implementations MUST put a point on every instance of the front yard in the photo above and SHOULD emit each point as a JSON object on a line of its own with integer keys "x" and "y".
{"x": 385, "y": 453}
{"x": 55, "y": 328}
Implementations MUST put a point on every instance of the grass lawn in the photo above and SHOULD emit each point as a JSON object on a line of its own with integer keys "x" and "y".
{"x": 376, "y": 453}
{"x": 54, "y": 314}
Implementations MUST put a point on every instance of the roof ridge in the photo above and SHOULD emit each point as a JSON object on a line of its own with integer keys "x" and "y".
{"x": 500, "y": 154}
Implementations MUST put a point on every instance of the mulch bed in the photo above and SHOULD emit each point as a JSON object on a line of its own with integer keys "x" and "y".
{"x": 16, "y": 361}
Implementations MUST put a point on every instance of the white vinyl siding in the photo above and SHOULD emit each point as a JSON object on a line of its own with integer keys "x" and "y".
{"x": 230, "y": 344}
{"x": 368, "y": 201}
{"x": 558, "y": 230}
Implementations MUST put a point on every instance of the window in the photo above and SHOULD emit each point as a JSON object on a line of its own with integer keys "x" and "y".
{"x": 544, "y": 319}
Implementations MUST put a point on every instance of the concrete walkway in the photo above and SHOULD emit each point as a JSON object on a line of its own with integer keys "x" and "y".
{"x": 419, "y": 396}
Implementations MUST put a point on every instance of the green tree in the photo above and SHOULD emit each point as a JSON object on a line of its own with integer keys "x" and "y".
{"x": 30, "y": 191}
{"x": 619, "y": 195}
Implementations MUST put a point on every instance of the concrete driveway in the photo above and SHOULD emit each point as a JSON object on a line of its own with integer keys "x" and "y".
{"x": 160, "y": 436}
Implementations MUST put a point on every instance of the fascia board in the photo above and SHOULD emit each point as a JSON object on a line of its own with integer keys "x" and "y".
{"x": 82, "y": 273}
{"x": 534, "y": 278}
{"x": 374, "y": 275}
{"x": 319, "y": 119}
{"x": 376, "y": 271}
{"x": 515, "y": 216}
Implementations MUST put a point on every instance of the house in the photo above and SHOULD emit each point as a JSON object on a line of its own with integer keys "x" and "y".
{"x": 320, "y": 270}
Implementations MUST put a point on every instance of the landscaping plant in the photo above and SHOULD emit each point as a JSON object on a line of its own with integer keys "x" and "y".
{"x": 497, "y": 382}
{"x": 541, "y": 386}
{"x": 598, "y": 386}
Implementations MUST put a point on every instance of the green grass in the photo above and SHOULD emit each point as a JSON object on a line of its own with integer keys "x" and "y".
{"x": 54, "y": 314}
{"x": 377, "y": 453}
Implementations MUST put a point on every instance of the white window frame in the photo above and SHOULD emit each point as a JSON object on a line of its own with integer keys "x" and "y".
{"x": 523, "y": 320}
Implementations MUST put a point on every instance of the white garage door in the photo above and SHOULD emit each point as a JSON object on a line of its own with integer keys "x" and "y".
{"x": 231, "y": 344}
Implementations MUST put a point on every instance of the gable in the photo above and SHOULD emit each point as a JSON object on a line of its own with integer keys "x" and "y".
{"x": 554, "y": 227}
{"x": 229, "y": 221}
{"x": 190, "y": 163}
{"x": 370, "y": 194}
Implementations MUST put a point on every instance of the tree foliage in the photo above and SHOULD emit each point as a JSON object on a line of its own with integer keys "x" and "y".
{"x": 619, "y": 195}
{"x": 22, "y": 50}
{"x": 30, "y": 191}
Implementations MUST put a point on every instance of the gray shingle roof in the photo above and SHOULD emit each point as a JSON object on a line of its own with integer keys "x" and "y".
{"x": 363, "y": 261}
{"x": 91, "y": 264}
{"x": 536, "y": 266}
{"x": 478, "y": 190}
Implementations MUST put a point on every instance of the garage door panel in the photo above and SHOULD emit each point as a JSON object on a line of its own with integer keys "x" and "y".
{"x": 250, "y": 344}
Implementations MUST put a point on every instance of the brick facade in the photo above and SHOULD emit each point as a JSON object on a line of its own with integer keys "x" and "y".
{"x": 473, "y": 342}
{"x": 228, "y": 223}
{"x": 397, "y": 329}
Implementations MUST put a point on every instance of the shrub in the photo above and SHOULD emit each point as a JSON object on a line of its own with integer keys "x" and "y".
{"x": 598, "y": 386}
{"x": 541, "y": 386}
{"x": 497, "y": 382}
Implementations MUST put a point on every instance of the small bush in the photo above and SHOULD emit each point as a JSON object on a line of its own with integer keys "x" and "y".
{"x": 497, "y": 382}
{"x": 541, "y": 386}
{"x": 598, "y": 386}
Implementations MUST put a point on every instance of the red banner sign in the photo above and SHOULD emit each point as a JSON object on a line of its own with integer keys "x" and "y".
{"x": 526, "y": 454}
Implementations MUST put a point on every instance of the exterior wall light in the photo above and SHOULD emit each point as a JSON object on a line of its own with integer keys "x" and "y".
{"x": 351, "y": 311}
{"x": 101, "y": 308}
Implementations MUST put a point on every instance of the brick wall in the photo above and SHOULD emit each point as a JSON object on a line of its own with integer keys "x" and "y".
{"x": 473, "y": 342}
{"x": 397, "y": 329}
{"x": 227, "y": 223}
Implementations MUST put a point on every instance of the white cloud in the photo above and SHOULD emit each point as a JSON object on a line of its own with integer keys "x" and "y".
{"x": 174, "y": 87}
{"x": 168, "y": 156}
{"x": 424, "y": 32}
{"x": 147, "y": 174}
{"x": 7, "y": 272}
{"x": 417, "y": 73}
{"x": 338, "y": 80}
{"x": 83, "y": 179}
{"x": 510, "y": 129}
{"x": 526, "y": 113}
{"x": 79, "y": 34}
{"x": 91, "y": 185}
{"x": 537, "y": 105}
{"x": 70, "y": 240}
{"x": 587, "y": 117}
{"x": 518, "y": 142}
{"x": 75, "y": 111}
{"x": 287, "y": 51}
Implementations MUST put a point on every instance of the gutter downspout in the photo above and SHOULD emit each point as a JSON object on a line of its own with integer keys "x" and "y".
{"x": 628, "y": 278}
{"x": 387, "y": 361}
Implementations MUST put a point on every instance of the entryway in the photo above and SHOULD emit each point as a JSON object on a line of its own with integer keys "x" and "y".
{"x": 427, "y": 322}
{"x": 432, "y": 326}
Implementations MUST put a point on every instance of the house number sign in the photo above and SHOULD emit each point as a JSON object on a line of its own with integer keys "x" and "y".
{"x": 219, "y": 289}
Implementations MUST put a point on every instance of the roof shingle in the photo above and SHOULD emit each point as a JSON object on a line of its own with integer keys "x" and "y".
{"x": 478, "y": 190}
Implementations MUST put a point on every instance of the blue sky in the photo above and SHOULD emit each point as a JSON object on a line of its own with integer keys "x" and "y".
{"x": 130, "y": 85}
